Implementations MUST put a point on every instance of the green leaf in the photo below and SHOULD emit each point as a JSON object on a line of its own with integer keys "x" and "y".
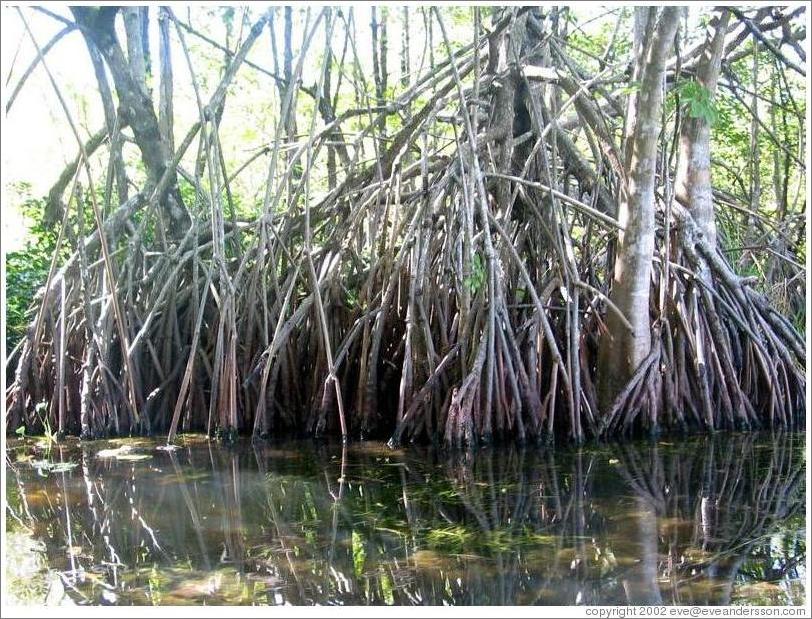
{"x": 358, "y": 553}
{"x": 476, "y": 281}
{"x": 698, "y": 101}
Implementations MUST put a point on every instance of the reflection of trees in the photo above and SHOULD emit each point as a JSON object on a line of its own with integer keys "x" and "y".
{"x": 362, "y": 525}
{"x": 718, "y": 501}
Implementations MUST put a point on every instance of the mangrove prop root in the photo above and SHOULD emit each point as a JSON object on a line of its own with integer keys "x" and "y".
{"x": 436, "y": 294}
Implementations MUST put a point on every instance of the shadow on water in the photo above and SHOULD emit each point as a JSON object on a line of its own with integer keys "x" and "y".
{"x": 713, "y": 520}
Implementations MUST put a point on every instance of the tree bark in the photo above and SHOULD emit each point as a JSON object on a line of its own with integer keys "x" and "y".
{"x": 166, "y": 108}
{"x": 379, "y": 49}
{"x": 693, "y": 181}
{"x": 137, "y": 108}
{"x": 133, "y": 27}
{"x": 621, "y": 352}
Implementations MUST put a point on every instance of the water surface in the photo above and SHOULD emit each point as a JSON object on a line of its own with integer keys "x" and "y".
{"x": 681, "y": 521}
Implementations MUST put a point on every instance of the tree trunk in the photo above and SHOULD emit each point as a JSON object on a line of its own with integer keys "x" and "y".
{"x": 136, "y": 54}
{"x": 621, "y": 352}
{"x": 166, "y": 108}
{"x": 755, "y": 163}
{"x": 379, "y": 49}
{"x": 137, "y": 108}
{"x": 693, "y": 181}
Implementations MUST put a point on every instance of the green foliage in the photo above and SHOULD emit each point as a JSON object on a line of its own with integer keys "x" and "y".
{"x": 521, "y": 294}
{"x": 387, "y": 588}
{"x": 157, "y": 583}
{"x": 228, "y": 18}
{"x": 49, "y": 435}
{"x": 188, "y": 193}
{"x": 358, "y": 553}
{"x": 26, "y": 268}
{"x": 476, "y": 281}
{"x": 352, "y": 299}
{"x": 698, "y": 101}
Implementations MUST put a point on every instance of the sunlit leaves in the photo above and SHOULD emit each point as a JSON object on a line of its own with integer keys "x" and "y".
{"x": 698, "y": 101}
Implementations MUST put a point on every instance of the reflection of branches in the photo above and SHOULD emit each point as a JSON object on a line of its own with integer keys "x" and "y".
{"x": 280, "y": 528}
{"x": 337, "y": 498}
{"x": 193, "y": 513}
{"x": 361, "y": 525}
{"x": 731, "y": 494}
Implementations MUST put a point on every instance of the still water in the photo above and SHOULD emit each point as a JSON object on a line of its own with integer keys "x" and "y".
{"x": 716, "y": 520}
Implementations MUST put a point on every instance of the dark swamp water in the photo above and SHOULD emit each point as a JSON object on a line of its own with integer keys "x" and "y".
{"x": 680, "y": 521}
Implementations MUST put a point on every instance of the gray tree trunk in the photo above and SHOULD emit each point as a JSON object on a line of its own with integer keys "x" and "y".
{"x": 693, "y": 181}
{"x": 621, "y": 352}
{"x": 137, "y": 108}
